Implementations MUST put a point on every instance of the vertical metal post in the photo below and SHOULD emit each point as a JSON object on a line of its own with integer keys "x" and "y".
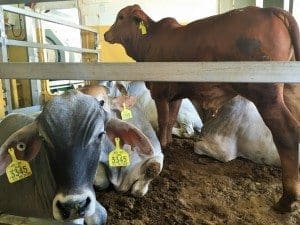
{"x": 33, "y": 57}
{"x": 286, "y": 5}
{"x": 4, "y": 58}
{"x": 291, "y": 6}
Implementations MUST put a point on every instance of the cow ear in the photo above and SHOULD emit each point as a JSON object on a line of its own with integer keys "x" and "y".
{"x": 118, "y": 102}
{"x": 129, "y": 134}
{"x": 121, "y": 87}
{"x": 138, "y": 16}
{"x": 25, "y": 142}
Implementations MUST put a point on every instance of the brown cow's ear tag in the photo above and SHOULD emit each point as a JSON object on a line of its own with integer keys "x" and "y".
{"x": 17, "y": 169}
{"x": 118, "y": 157}
{"x": 143, "y": 28}
{"x": 126, "y": 113}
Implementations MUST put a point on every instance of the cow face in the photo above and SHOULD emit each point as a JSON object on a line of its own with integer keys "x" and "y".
{"x": 126, "y": 27}
{"x": 146, "y": 161}
{"x": 70, "y": 128}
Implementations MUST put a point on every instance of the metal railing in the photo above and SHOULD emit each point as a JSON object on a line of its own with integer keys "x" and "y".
{"x": 4, "y": 41}
{"x": 233, "y": 72}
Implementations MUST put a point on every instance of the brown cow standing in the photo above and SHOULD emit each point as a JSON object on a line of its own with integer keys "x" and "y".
{"x": 249, "y": 34}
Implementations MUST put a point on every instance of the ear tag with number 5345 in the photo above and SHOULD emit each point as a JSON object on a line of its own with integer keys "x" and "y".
{"x": 118, "y": 157}
{"x": 126, "y": 113}
{"x": 17, "y": 169}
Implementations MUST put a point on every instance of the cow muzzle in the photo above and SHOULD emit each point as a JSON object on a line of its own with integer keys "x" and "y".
{"x": 71, "y": 207}
{"x": 109, "y": 37}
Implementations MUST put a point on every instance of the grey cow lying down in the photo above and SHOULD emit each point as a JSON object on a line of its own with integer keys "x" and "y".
{"x": 146, "y": 162}
{"x": 238, "y": 130}
{"x": 188, "y": 121}
{"x": 63, "y": 145}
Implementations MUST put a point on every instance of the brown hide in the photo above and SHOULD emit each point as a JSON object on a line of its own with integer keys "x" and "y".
{"x": 248, "y": 34}
{"x": 291, "y": 96}
{"x": 243, "y": 34}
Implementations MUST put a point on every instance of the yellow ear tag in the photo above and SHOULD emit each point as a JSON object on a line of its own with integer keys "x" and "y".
{"x": 126, "y": 113}
{"x": 143, "y": 28}
{"x": 17, "y": 169}
{"x": 118, "y": 157}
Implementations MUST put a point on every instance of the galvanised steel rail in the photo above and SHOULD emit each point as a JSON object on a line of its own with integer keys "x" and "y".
{"x": 236, "y": 72}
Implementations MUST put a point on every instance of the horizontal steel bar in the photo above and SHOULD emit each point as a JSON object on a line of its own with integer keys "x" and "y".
{"x": 47, "y": 46}
{"x": 10, "y": 2}
{"x": 28, "y": 110}
{"x": 53, "y": 19}
{"x": 17, "y": 220}
{"x": 253, "y": 72}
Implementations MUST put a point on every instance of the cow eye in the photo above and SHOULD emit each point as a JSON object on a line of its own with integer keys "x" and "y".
{"x": 21, "y": 146}
{"x": 101, "y": 134}
{"x": 120, "y": 17}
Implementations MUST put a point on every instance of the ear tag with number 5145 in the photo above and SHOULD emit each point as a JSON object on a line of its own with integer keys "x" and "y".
{"x": 118, "y": 157}
{"x": 17, "y": 169}
{"x": 126, "y": 113}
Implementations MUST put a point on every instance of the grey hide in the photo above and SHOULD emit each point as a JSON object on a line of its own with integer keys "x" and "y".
{"x": 139, "y": 174}
{"x": 238, "y": 130}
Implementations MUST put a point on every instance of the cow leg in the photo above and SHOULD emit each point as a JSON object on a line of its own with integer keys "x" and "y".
{"x": 162, "y": 106}
{"x": 173, "y": 112}
{"x": 284, "y": 128}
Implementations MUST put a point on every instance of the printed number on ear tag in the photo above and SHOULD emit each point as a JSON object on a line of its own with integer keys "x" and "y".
{"x": 143, "y": 28}
{"x": 118, "y": 157}
{"x": 126, "y": 113}
{"x": 17, "y": 169}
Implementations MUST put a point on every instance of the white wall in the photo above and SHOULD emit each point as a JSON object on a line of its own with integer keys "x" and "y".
{"x": 296, "y": 10}
{"x": 183, "y": 10}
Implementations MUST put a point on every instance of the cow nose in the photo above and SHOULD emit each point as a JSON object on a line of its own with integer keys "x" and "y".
{"x": 108, "y": 37}
{"x": 73, "y": 207}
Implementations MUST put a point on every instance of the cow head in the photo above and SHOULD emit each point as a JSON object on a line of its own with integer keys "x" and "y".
{"x": 146, "y": 159}
{"x": 70, "y": 129}
{"x": 127, "y": 25}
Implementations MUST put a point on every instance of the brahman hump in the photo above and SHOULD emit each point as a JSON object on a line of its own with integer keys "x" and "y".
{"x": 238, "y": 130}
{"x": 248, "y": 34}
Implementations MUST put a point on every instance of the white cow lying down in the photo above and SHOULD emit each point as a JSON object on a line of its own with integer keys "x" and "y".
{"x": 188, "y": 120}
{"x": 238, "y": 130}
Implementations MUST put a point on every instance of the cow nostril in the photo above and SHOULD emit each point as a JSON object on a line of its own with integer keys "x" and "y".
{"x": 87, "y": 202}
{"x": 84, "y": 205}
{"x": 65, "y": 212}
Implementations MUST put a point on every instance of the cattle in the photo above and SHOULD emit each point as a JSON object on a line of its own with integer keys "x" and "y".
{"x": 146, "y": 161}
{"x": 237, "y": 130}
{"x": 63, "y": 144}
{"x": 188, "y": 122}
{"x": 248, "y": 34}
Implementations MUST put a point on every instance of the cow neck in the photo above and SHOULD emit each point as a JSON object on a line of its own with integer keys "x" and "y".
{"x": 138, "y": 47}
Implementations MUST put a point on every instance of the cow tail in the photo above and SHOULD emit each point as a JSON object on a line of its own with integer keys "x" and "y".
{"x": 293, "y": 28}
